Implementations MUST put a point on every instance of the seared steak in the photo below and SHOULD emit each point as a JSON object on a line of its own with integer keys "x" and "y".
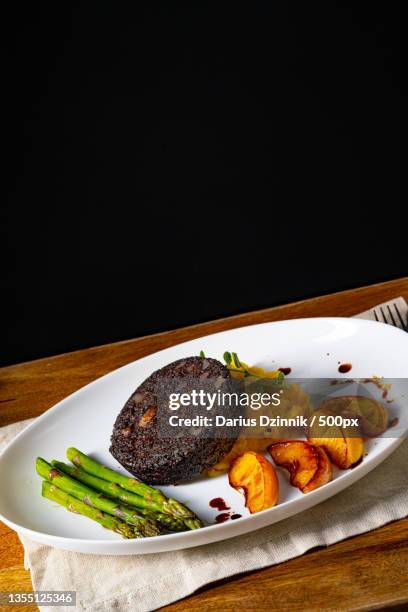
{"x": 152, "y": 450}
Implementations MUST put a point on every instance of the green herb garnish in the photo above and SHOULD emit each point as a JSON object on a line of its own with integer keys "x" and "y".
{"x": 227, "y": 358}
{"x": 234, "y": 360}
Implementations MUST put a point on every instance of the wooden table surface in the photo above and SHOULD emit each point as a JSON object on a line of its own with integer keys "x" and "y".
{"x": 367, "y": 572}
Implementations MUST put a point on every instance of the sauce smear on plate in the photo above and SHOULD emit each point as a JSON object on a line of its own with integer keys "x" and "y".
{"x": 345, "y": 367}
{"x": 219, "y": 504}
{"x": 285, "y": 371}
{"x": 221, "y": 518}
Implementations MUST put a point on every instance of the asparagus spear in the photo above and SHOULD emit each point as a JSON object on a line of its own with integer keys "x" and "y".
{"x": 145, "y": 526}
{"x": 111, "y": 489}
{"x": 130, "y": 484}
{"x": 167, "y": 505}
{"x": 50, "y": 491}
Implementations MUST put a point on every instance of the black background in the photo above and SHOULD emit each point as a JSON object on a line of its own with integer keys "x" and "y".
{"x": 178, "y": 162}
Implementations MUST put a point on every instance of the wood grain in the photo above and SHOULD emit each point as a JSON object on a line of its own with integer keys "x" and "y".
{"x": 367, "y": 572}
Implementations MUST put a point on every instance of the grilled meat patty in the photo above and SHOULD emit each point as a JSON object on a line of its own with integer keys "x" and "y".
{"x": 151, "y": 449}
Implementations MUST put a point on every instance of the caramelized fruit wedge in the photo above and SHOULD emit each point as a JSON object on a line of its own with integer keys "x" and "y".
{"x": 372, "y": 415}
{"x": 241, "y": 446}
{"x": 253, "y": 474}
{"x": 324, "y": 472}
{"x": 299, "y": 458}
{"x": 344, "y": 447}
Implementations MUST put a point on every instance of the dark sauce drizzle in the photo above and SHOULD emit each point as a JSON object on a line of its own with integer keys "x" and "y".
{"x": 219, "y": 504}
{"x": 285, "y": 371}
{"x": 221, "y": 518}
{"x": 345, "y": 367}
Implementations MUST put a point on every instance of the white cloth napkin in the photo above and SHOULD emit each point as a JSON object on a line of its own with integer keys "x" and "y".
{"x": 147, "y": 582}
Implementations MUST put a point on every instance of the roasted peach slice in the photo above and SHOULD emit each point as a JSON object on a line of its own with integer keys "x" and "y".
{"x": 371, "y": 414}
{"x": 241, "y": 446}
{"x": 344, "y": 452}
{"x": 308, "y": 465}
{"x": 373, "y": 417}
{"x": 324, "y": 472}
{"x": 343, "y": 445}
{"x": 253, "y": 474}
{"x": 300, "y": 458}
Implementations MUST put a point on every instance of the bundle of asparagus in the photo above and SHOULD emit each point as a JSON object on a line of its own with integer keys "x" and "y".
{"x": 95, "y": 491}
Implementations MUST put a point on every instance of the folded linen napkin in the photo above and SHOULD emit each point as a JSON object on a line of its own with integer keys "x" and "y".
{"x": 147, "y": 582}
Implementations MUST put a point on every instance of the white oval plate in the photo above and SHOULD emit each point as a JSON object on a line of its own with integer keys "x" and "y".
{"x": 311, "y": 347}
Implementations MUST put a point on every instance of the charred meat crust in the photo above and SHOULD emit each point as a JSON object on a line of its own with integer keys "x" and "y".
{"x": 150, "y": 454}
